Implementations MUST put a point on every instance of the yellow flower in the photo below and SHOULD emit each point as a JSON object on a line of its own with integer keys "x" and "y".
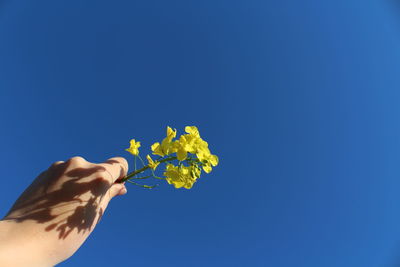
{"x": 181, "y": 154}
{"x": 207, "y": 168}
{"x": 202, "y": 151}
{"x": 192, "y": 143}
{"x": 187, "y": 143}
{"x": 208, "y": 160}
{"x": 211, "y": 160}
{"x": 181, "y": 147}
{"x": 192, "y": 130}
{"x": 214, "y": 160}
{"x": 152, "y": 164}
{"x": 134, "y": 148}
{"x": 166, "y": 147}
{"x": 156, "y": 148}
{"x": 191, "y": 150}
{"x": 181, "y": 176}
{"x": 173, "y": 177}
{"x": 195, "y": 171}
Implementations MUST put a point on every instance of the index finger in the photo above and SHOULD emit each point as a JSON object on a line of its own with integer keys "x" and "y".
{"x": 117, "y": 167}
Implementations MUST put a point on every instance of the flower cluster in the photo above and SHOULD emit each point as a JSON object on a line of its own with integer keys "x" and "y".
{"x": 189, "y": 150}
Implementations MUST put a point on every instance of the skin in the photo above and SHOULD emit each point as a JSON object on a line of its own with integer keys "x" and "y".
{"x": 58, "y": 211}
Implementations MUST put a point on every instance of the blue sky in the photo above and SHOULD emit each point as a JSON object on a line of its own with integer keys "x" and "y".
{"x": 299, "y": 99}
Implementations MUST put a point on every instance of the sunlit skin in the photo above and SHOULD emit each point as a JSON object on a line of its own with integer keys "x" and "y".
{"x": 58, "y": 211}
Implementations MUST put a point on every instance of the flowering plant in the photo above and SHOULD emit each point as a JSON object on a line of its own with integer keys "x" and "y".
{"x": 189, "y": 152}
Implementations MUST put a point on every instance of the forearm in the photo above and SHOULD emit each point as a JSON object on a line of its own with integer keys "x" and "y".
{"x": 19, "y": 246}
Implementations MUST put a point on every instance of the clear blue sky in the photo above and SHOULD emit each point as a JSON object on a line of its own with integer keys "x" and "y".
{"x": 300, "y": 100}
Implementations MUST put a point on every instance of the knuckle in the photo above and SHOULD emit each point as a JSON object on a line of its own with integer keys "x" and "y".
{"x": 118, "y": 163}
{"x": 124, "y": 162}
{"x": 57, "y": 163}
{"x": 77, "y": 160}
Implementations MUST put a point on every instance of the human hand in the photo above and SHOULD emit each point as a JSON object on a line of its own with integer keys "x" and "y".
{"x": 58, "y": 211}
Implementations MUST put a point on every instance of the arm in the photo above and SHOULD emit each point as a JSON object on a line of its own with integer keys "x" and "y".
{"x": 58, "y": 211}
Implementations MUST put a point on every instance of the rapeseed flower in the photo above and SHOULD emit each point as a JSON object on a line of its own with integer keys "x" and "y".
{"x": 152, "y": 164}
{"x": 181, "y": 176}
{"x": 165, "y": 148}
{"x": 191, "y": 153}
{"x": 193, "y": 143}
{"x": 134, "y": 148}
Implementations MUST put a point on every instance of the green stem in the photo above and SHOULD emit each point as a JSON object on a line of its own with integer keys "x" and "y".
{"x": 141, "y": 178}
{"x": 141, "y": 185}
{"x": 144, "y": 168}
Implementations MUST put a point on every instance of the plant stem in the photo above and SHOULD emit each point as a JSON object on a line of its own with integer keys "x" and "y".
{"x": 145, "y": 168}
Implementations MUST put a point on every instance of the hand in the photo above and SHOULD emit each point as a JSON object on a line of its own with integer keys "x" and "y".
{"x": 58, "y": 211}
